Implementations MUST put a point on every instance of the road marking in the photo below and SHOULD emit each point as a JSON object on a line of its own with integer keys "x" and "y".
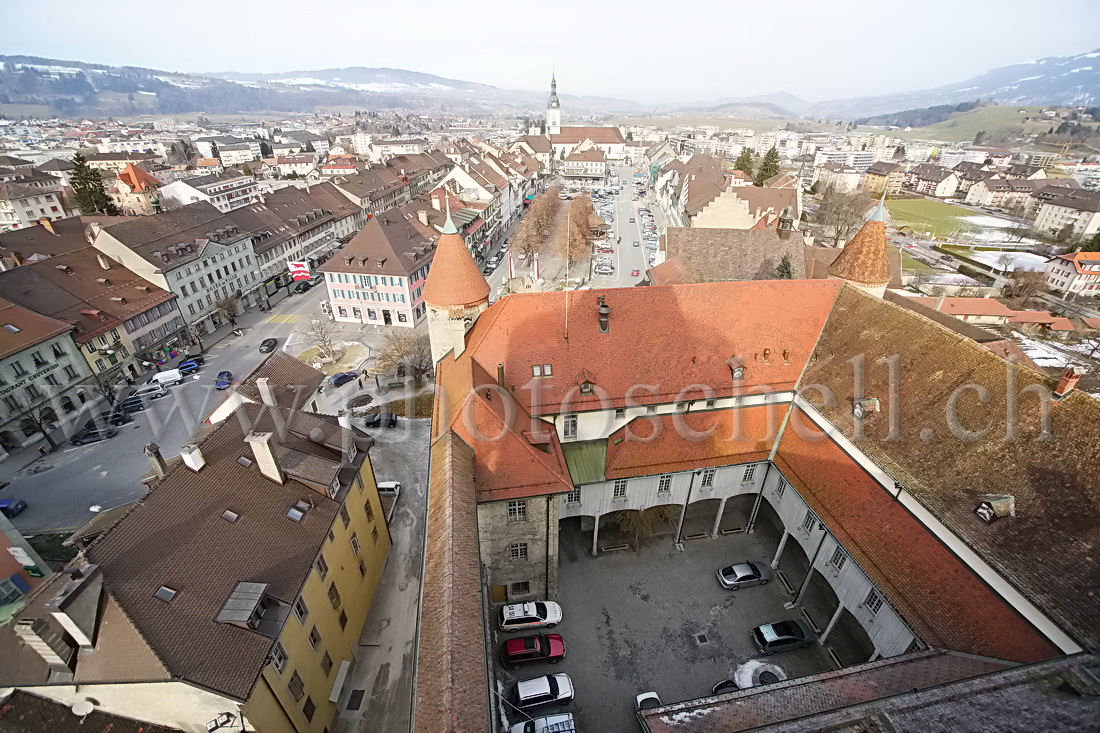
{"x": 221, "y": 344}
{"x": 284, "y": 319}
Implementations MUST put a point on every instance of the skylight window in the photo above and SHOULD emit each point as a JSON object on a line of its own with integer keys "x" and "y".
{"x": 165, "y": 593}
{"x": 230, "y": 516}
{"x": 12, "y": 327}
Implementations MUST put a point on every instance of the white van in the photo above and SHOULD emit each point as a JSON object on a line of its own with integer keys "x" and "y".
{"x": 151, "y": 391}
{"x": 167, "y": 378}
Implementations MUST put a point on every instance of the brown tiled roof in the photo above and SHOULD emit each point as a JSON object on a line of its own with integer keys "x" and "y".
{"x": 24, "y": 712}
{"x": 137, "y": 179}
{"x": 598, "y": 135}
{"x": 186, "y": 225}
{"x": 452, "y": 684}
{"x": 721, "y": 255}
{"x": 392, "y": 243}
{"x": 967, "y": 306}
{"x": 863, "y": 259}
{"x": 671, "y": 272}
{"x": 63, "y": 235}
{"x": 31, "y": 328}
{"x": 292, "y": 380}
{"x": 1045, "y": 551}
{"x": 454, "y": 280}
{"x": 77, "y": 296}
{"x": 177, "y": 537}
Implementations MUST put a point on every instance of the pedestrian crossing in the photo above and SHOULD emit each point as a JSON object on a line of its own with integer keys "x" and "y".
{"x": 284, "y": 319}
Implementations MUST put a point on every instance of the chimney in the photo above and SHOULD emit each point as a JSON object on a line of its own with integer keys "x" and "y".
{"x": 500, "y": 375}
{"x": 423, "y": 214}
{"x": 192, "y": 456}
{"x": 1068, "y": 383}
{"x": 104, "y": 261}
{"x": 344, "y": 418}
{"x": 267, "y": 393}
{"x": 265, "y": 456}
{"x": 48, "y": 226}
{"x": 152, "y": 452}
{"x": 939, "y": 302}
{"x": 76, "y": 605}
{"x": 604, "y": 315}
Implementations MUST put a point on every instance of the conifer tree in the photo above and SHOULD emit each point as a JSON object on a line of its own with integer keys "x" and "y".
{"x": 88, "y": 189}
{"x": 744, "y": 162}
{"x": 769, "y": 167}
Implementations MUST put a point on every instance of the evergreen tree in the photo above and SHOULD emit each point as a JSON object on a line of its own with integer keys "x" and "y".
{"x": 744, "y": 162}
{"x": 1092, "y": 245}
{"x": 88, "y": 189}
{"x": 214, "y": 152}
{"x": 785, "y": 270}
{"x": 265, "y": 149}
{"x": 769, "y": 167}
{"x": 308, "y": 148}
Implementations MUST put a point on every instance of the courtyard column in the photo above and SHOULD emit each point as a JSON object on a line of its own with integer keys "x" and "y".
{"x": 779, "y": 550}
{"x": 595, "y": 534}
{"x": 718, "y": 518}
{"x": 832, "y": 623}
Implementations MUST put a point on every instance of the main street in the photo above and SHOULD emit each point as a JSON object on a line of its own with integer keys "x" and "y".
{"x": 65, "y": 488}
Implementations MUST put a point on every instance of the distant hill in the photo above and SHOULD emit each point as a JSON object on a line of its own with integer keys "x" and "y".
{"x": 1061, "y": 80}
{"x": 919, "y": 117}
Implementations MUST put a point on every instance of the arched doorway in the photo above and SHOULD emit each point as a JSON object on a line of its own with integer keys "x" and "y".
{"x": 635, "y": 528}
{"x": 849, "y": 641}
{"x": 8, "y": 441}
{"x": 67, "y": 404}
{"x": 29, "y": 427}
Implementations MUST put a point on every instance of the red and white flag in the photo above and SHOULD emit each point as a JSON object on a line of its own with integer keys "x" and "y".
{"x": 299, "y": 270}
{"x": 511, "y": 266}
{"x": 536, "y": 266}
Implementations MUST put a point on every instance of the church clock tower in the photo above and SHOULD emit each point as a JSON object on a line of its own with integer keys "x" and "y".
{"x": 553, "y": 109}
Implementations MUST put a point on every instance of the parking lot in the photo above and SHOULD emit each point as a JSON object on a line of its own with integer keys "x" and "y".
{"x": 658, "y": 620}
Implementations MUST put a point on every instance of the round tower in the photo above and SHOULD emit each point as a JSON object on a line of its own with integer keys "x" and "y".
{"x": 553, "y": 108}
{"x": 863, "y": 261}
{"x": 455, "y": 292}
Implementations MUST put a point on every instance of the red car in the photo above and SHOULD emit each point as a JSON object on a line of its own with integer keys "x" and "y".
{"x": 536, "y": 648}
{"x": 634, "y": 273}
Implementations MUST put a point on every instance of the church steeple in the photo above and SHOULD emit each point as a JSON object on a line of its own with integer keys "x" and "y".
{"x": 553, "y": 108}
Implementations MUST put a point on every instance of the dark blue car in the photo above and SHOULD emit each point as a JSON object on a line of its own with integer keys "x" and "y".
{"x": 190, "y": 366}
{"x": 10, "y": 507}
{"x": 342, "y": 378}
{"x": 224, "y": 380}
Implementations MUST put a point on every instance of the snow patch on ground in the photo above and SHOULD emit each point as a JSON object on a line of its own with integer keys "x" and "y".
{"x": 685, "y": 716}
{"x": 1043, "y": 354}
{"x": 1010, "y": 260}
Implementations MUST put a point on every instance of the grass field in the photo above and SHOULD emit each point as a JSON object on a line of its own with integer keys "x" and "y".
{"x": 938, "y": 218}
{"x": 912, "y": 266}
{"x": 25, "y": 110}
{"x": 994, "y": 120}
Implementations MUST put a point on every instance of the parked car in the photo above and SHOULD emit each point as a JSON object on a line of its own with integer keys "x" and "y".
{"x": 530, "y": 615}
{"x": 544, "y": 690}
{"x": 782, "y": 636}
{"x": 93, "y": 434}
{"x": 268, "y": 345}
{"x": 632, "y": 220}
{"x": 636, "y": 242}
{"x": 744, "y": 574}
{"x": 167, "y": 378}
{"x": 647, "y": 701}
{"x": 115, "y": 417}
{"x": 561, "y": 723}
{"x": 190, "y": 366}
{"x": 341, "y": 378}
{"x": 724, "y": 686}
{"x": 381, "y": 420}
{"x": 151, "y": 391}
{"x": 634, "y": 272}
{"x": 303, "y": 285}
{"x": 133, "y": 403}
{"x": 224, "y": 380}
{"x": 10, "y": 507}
{"x": 196, "y": 357}
{"x": 514, "y": 653}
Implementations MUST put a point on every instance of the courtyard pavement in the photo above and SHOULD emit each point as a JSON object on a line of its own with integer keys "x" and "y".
{"x": 632, "y": 623}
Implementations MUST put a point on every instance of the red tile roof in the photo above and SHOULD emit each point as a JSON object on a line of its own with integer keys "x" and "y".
{"x": 968, "y": 306}
{"x": 863, "y": 260}
{"x": 686, "y": 441}
{"x": 717, "y": 320}
{"x": 939, "y": 597}
{"x": 1082, "y": 259}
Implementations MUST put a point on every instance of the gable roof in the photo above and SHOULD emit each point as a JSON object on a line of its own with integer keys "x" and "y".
{"x": 291, "y": 379}
{"x": 719, "y": 255}
{"x": 30, "y": 328}
{"x": 598, "y": 135}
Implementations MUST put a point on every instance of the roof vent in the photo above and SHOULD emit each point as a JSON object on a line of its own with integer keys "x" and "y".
{"x": 604, "y": 314}
{"x": 865, "y": 407}
{"x": 245, "y": 606}
{"x": 65, "y": 269}
{"x": 995, "y": 506}
{"x": 1068, "y": 383}
{"x": 119, "y": 299}
{"x": 103, "y": 281}
{"x": 192, "y": 456}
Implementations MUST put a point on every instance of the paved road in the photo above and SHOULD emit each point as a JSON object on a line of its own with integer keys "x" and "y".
{"x": 62, "y": 487}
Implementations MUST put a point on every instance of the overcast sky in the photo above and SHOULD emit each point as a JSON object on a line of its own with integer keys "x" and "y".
{"x": 647, "y": 50}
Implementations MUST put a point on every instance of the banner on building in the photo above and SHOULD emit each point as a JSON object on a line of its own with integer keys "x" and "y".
{"x": 299, "y": 271}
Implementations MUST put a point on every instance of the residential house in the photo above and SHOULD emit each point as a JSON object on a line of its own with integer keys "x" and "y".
{"x": 135, "y": 192}
{"x": 741, "y": 207}
{"x": 1047, "y": 193}
{"x": 1076, "y": 272}
{"x": 379, "y": 151}
{"x": 883, "y": 176}
{"x": 236, "y": 154}
{"x": 585, "y": 166}
{"x": 837, "y": 176}
{"x": 979, "y": 311}
{"x": 1024, "y": 171}
{"x": 21, "y": 568}
{"x": 196, "y": 252}
{"x": 24, "y": 205}
{"x": 226, "y": 191}
{"x": 933, "y": 180}
{"x": 970, "y": 173}
{"x": 117, "y": 162}
{"x": 280, "y": 379}
{"x": 378, "y": 277}
{"x": 287, "y": 511}
{"x": 342, "y": 166}
{"x": 296, "y": 166}
{"x": 122, "y": 323}
{"x": 57, "y": 168}
{"x": 537, "y": 146}
{"x": 43, "y": 380}
{"x": 1073, "y": 216}
{"x": 1003, "y": 193}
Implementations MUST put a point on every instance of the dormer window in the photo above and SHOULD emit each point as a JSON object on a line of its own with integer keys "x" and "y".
{"x": 586, "y": 388}
{"x": 738, "y": 373}
{"x": 737, "y": 368}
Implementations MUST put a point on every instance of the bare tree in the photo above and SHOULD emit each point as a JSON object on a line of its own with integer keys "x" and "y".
{"x": 531, "y": 235}
{"x": 228, "y": 308}
{"x": 320, "y": 334}
{"x": 642, "y": 525}
{"x": 1023, "y": 284}
{"x": 841, "y": 214}
{"x": 406, "y": 352}
{"x": 572, "y": 239}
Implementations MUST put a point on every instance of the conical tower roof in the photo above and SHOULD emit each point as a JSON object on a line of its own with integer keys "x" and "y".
{"x": 454, "y": 280}
{"x": 863, "y": 260}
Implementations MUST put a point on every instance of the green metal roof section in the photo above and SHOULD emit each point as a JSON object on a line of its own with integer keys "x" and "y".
{"x": 586, "y": 460}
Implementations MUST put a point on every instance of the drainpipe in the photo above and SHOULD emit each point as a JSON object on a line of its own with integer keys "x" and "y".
{"x": 810, "y": 570}
{"x": 683, "y": 513}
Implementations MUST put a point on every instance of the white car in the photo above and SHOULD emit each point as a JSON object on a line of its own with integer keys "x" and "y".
{"x": 530, "y": 615}
{"x": 544, "y": 690}
{"x": 561, "y": 723}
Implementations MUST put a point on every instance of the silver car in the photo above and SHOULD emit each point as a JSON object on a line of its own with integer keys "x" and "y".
{"x": 744, "y": 574}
